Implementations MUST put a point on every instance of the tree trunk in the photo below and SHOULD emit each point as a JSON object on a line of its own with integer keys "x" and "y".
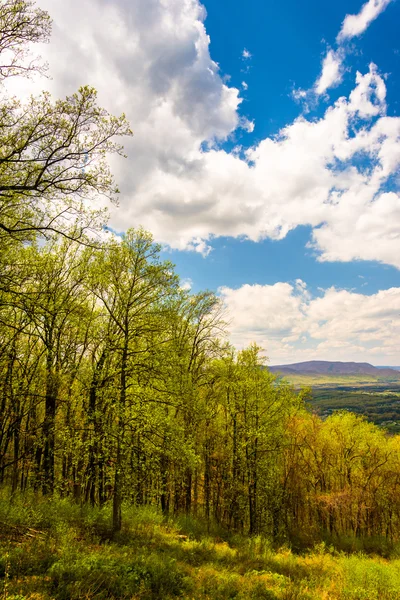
{"x": 118, "y": 479}
{"x": 48, "y": 428}
{"x": 49, "y": 441}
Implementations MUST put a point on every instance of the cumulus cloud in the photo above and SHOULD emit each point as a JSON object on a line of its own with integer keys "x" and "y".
{"x": 368, "y": 97}
{"x": 305, "y": 175}
{"x": 293, "y": 326}
{"x": 332, "y": 72}
{"x": 152, "y": 61}
{"x": 354, "y": 25}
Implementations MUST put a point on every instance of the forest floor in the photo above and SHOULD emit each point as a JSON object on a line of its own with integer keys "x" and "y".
{"x": 56, "y": 549}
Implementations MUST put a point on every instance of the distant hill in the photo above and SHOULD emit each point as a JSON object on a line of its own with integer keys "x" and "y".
{"x": 324, "y": 367}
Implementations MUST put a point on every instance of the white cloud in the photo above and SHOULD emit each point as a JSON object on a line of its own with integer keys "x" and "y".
{"x": 292, "y": 326}
{"x": 332, "y": 72}
{"x": 354, "y": 25}
{"x": 245, "y": 85}
{"x": 299, "y": 95}
{"x": 152, "y": 61}
{"x": 246, "y": 54}
{"x": 186, "y": 284}
{"x": 370, "y": 93}
{"x": 199, "y": 245}
{"x": 303, "y": 176}
{"x": 332, "y": 64}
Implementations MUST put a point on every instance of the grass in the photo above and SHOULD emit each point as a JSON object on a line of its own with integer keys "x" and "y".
{"x": 53, "y": 549}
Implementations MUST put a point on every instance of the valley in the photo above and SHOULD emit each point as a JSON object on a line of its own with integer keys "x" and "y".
{"x": 379, "y": 403}
{"x": 355, "y": 387}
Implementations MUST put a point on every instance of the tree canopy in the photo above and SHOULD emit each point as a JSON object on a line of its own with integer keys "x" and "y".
{"x": 53, "y": 153}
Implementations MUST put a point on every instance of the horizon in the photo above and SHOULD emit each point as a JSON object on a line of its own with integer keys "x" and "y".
{"x": 335, "y": 361}
{"x": 265, "y": 157}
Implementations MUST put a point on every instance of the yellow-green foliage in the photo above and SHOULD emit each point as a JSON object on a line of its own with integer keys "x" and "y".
{"x": 66, "y": 556}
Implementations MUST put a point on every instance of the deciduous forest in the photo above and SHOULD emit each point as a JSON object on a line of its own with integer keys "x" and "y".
{"x": 117, "y": 385}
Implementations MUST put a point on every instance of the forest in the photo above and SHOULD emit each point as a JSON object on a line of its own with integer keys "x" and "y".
{"x": 117, "y": 385}
{"x": 378, "y": 403}
{"x": 120, "y": 393}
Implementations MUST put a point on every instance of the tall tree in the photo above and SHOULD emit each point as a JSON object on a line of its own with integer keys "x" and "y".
{"x": 54, "y": 302}
{"x": 21, "y": 24}
{"x": 132, "y": 285}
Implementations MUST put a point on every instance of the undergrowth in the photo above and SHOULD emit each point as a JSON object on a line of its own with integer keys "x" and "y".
{"x": 55, "y": 549}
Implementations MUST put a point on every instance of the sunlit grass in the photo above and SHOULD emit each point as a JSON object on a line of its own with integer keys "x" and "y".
{"x": 54, "y": 549}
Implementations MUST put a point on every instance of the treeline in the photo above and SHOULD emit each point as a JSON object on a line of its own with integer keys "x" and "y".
{"x": 117, "y": 385}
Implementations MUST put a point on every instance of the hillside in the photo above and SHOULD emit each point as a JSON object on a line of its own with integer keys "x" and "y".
{"x": 57, "y": 550}
{"x": 336, "y": 368}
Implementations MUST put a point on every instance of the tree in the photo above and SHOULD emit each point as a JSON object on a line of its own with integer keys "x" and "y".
{"x": 132, "y": 285}
{"x": 20, "y": 25}
{"x": 54, "y": 302}
{"x": 194, "y": 343}
{"x": 53, "y": 155}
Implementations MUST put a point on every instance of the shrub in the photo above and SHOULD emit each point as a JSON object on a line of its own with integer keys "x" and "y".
{"x": 103, "y": 575}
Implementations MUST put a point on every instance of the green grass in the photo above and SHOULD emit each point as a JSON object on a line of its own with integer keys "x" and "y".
{"x": 58, "y": 550}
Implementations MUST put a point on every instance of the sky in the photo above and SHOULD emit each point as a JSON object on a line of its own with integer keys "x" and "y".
{"x": 265, "y": 157}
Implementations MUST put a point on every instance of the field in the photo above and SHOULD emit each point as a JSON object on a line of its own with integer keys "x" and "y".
{"x": 54, "y": 549}
{"x": 319, "y": 380}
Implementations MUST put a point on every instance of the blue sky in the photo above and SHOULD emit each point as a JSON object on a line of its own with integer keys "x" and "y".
{"x": 233, "y": 262}
{"x": 265, "y": 156}
{"x": 286, "y": 41}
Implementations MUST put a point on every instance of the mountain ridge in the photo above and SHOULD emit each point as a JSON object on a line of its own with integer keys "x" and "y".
{"x": 324, "y": 367}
